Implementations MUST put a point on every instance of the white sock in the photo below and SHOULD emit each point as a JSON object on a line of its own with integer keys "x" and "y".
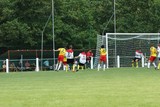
{"x": 99, "y": 66}
{"x": 59, "y": 65}
{"x": 56, "y": 66}
{"x": 64, "y": 67}
{"x": 154, "y": 64}
{"x": 149, "y": 64}
{"x": 104, "y": 66}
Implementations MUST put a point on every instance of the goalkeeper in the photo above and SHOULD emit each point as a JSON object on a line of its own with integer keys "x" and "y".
{"x": 137, "y": 58}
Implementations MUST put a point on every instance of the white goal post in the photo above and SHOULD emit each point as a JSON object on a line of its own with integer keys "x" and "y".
{"x": 121, "y": 47}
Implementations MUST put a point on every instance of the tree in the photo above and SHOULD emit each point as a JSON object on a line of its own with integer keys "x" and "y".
{"x": 14, "y": 32}
{"x": 136, "y": 16}
{"x": 77, "y": 22}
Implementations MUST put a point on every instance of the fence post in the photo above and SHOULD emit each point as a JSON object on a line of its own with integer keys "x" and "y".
{"x": 37, "y": 65}
{"x": 142, "y": 61}
{"x": 91, "y": 62}
{"x": 7, "y": 66}
{"x": 118, "y": 61}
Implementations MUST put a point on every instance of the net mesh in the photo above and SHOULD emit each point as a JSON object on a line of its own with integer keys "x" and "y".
{"x": 125, "y": 46}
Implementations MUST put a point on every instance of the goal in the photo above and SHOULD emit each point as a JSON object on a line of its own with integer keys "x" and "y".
{"x": 121, "y": 46}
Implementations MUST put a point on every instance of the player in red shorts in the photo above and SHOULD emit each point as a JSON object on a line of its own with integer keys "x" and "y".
{"x": 62, "y": 52}
{"x": 89, "y": 55}
{"x": 153, "y": 55}
{"x": 102, "y": 59}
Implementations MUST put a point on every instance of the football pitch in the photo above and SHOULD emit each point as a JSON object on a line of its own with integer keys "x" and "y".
{"x": 124, "y": 87}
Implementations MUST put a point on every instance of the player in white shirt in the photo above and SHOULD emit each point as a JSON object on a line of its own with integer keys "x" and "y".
{"x": 138, "y": 56}
{"x": 70, "y": 57}
{"x": 82, "y": 60}
{"x": 158, "y": 50}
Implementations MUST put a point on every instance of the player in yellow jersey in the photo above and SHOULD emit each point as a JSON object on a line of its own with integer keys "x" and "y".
{"x": 62, "y": 52}
{"x": 102, "y": 59}
{"x": 153, "y": 55}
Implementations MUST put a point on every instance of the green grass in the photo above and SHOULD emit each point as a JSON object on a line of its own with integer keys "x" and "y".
{"x": 124, "y": 87}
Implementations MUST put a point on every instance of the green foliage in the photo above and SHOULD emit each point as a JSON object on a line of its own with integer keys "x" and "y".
{"x": 14, "y": 32}
{"x": 136, "y": 16}
{"x": 76, "y": 22}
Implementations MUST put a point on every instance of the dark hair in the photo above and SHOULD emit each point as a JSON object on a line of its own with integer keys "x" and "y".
{"x": 70, "y": 46}
{"x": 151, "y": 44}
{"x": 90, "y": 50}
{"x": 102, "y": 46}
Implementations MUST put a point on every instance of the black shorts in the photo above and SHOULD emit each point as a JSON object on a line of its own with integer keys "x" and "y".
{"x": 134, "y": 59}
{"x": 80, "y": 64}
{"x": 70, "y": 61}
{"x": 89, "y": 58}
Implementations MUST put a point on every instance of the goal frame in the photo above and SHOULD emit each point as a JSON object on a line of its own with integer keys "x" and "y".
{"x": 124, "y": 34}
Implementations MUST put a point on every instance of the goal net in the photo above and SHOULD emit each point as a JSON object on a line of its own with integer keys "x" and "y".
{"x": 121, "y": 47}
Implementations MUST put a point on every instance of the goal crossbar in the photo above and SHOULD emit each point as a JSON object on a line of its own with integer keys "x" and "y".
{"x": 132, "y": 33}
{"x": 123, "y": 38}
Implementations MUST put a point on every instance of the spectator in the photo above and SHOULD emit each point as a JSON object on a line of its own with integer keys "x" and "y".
{"x": 13, "y": 67}
{"x": 27, "y": 65}
{"x": 46, "y": 65}
{"x": 4, "y": 66}
{"x": 33, "y": 66}
{"x": 20, "y": 66}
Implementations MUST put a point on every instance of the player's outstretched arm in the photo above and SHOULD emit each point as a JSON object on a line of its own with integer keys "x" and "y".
{"x": 76, "y": 57}
{"x": 55, "y": 50}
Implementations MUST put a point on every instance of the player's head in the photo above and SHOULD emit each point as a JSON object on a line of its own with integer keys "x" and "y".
{"x": 70, "y": 47}
{"x": 65, "y": 47}
{"x": 83, "y": 50}
{"x": 90, "y": 50}
{"x": 151, "y": 44}
{"x": 102, "y": 46}
{"x": 140, "y": 50}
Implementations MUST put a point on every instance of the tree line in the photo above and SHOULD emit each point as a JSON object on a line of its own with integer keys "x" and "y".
{"x": 76, "y": 22}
